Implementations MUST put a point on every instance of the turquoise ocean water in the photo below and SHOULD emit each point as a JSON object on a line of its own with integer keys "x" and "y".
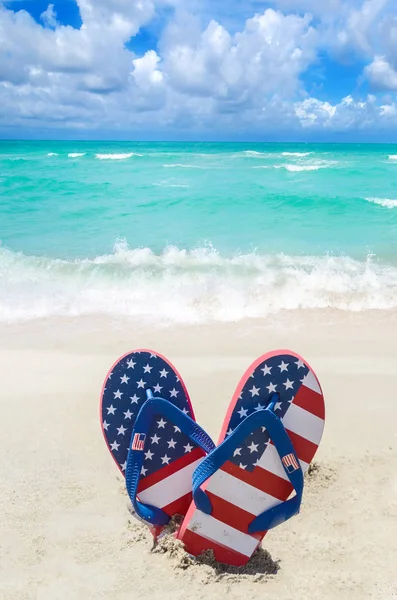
{"x": 178, "y": 232}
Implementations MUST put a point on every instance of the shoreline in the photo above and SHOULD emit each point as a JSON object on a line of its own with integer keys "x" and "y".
{"x": 66, "y": 530}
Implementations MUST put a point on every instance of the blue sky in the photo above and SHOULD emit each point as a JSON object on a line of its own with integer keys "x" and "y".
{"x": 199, "y": 69}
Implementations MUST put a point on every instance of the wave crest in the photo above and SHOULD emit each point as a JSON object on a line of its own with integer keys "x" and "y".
{"x": 296, "y": 153}
{"x": 189, "y": 286}
{"x": 386, "y": 202}
{"x": 116, "y": 156}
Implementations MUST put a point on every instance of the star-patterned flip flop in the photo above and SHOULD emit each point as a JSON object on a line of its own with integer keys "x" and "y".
{"x": 270, "y": 435}
{"x": 169, "y": 457}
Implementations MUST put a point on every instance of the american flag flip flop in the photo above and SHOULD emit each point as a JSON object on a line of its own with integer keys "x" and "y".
{"x": 270, "y": 435}
{"x": 169, "y": 444}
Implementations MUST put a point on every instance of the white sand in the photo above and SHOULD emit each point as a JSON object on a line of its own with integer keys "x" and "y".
{"x": 65, "y": 531}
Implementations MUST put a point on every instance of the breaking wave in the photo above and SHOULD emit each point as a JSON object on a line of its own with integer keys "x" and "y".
{"x": 76, "y": 154}
{"x": 116, "y": 156}
{"x": 386, "y": 202}
{"x": 188, "y": 286}
{"x": 296, "y": 153}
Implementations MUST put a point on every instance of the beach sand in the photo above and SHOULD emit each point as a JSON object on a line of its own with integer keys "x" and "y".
{"x": 65, "y": 529}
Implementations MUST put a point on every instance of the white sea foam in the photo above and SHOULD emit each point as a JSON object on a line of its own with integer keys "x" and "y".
{"x": 181, "y": 286}
{"x": 296, "y": 153}
{"x": 310, "y": 166}
{"x": 392, "y": 156}
{"x": 52, "y": 154}
{"x": 183, "y": 166}
{"x": 116, "y": 156}
{"x": 386, "y": 202}
{"x": 76, "y": 154}
{"x": 299, "y": 168}
{"x": 170, "y": 184}
{"x": 255, "y": 154}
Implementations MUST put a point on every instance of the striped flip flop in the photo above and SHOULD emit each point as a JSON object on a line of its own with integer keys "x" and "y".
{"x": 143, "y": 389}
{"x": 270, "y": 435}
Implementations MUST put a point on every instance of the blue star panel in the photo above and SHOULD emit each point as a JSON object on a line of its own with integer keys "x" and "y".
{"x": 123, "y": 396}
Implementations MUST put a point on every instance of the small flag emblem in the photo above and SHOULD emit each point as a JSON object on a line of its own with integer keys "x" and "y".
{"x": 290, "y": 462}
{"x": 138, "y": 442}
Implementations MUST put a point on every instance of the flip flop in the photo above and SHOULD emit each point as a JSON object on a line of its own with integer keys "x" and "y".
{"x": 166, "y": 450}
{"x": 270, "y": 435}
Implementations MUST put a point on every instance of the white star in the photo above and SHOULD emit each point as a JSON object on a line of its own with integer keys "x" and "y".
{"x": 288, "y": 384}
{"x": 161, "y": 423}
{"x": 114, "y": 446}
{"x": 111, "y": 409}
{"x": 121, "y": 430}
{"x": 283, "y": 366}
{"x": 157, "y": 388}
{"x": 153, "y": 356}
{"x": 176, "y": 429}
{"x": 277, "y": 406}
{"x": 147, "y": 369}
{"x": 271, "y": 388}
{"x": 143, "y": 471}
{"x": 177, "y": 379}
{"x": 259, "y": 406}
{"x": 263, "y": 429}
{"x": 110, "y": 376}
{"x": 254, "y": 391}
{"x": 237, "y": 452}
{"x": 185, "y": 410}
{"x": 300, "y": 364}
{"x": 188, "y": 448}
{"x": 266, "y": 370}
{"x": 128, "y": 414}
{"x": 256, "y": 463}
{"x": 105, "y": 425}
{"x": 117, "y": 395}
{"x": 240, "y": 396}
{"x": 163, "y": 373}
{"x": 124, "y": 466}
{"x": 155, "y": 439}
{"x": 253, "y": 447}
{"x": 229, "y": 431}
{"x": 171, "y": 443}
{"x": 165, "y": 459}
{"x": 124, "y": 379}
{"x": 141, "y": 383}
{"x": 242, "y": 412}
{"x": 134, "y": 399}
{"x": 130, "y": 364}
{"x": 174, "y": 393}
{"x": 149, "y": 455}
{"x": 242, "y": 466}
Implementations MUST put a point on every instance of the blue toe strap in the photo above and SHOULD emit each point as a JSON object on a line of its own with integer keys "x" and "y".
{"x": 211, "y": 463}
{"x": 152, "y": 407}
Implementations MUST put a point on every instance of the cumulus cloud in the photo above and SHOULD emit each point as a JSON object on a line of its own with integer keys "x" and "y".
{"x": 202, "y": 75}
{"x": 49, "y": 16}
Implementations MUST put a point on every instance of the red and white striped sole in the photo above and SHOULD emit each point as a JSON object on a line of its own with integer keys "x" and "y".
{"x": 237, "y": 495}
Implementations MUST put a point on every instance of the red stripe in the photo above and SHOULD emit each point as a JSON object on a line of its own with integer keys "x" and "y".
{"x": 261, "y": 479}
{"x": 304, "y": 449}
{"x": 196, "y": 544}
{"x": 178, "y": 507}
{"x": 310, "y": 401}
{"x": 177, "y": 465}
{"x": 231, "y": 514}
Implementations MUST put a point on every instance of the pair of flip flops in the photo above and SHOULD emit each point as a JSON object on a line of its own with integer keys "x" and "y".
{"x": 231, "y": 494}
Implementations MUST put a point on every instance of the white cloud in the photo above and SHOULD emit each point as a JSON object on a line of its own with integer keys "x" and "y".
{"x": 381, "y": 74}
{"x": 201, "y": 76}
{"x": 49, "y": 17}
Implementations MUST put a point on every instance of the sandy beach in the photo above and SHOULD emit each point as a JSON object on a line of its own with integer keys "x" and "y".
{"x": 65, "y": 529}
